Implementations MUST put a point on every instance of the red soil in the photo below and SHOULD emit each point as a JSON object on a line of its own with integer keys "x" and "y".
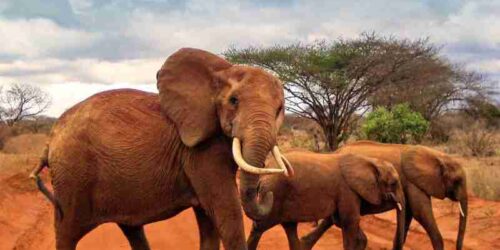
{"x": 26, "y": 223}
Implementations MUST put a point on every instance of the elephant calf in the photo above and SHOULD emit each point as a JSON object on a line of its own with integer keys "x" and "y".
{"x": 334, "y": 187}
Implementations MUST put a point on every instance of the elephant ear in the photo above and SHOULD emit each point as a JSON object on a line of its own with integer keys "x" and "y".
{"x": 361, "y": 175}
{"x": 424, "y": 169}
{"x": 187, "y": 83}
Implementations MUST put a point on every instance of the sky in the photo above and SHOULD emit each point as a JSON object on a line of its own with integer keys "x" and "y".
{"x": 75, "y": 48}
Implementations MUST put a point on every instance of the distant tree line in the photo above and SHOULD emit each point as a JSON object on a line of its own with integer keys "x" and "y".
{"x": 335, "y": 82}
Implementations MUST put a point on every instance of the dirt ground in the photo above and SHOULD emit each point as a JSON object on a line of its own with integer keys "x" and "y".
{"x": 26, "y": 223}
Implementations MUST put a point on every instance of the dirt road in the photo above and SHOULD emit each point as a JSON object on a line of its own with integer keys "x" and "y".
{"x": 26, "y": 223}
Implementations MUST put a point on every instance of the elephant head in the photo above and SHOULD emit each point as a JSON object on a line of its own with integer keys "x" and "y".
{"x": 438, "y": 175}
{"x": 373, "y": 179}
{"x": 206, "y": 96}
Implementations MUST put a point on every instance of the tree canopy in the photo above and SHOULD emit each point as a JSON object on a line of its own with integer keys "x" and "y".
{"x": 330, "y": 81}
{"x": 22, "y": 101}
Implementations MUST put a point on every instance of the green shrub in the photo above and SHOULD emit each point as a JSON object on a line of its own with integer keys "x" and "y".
{"x": 398, "y": 125}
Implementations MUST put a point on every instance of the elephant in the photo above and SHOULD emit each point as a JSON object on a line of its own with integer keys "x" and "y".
{"x": 334, "y": 187}
{"x": 133, "y": 158}
{"x": 424, "y": 173}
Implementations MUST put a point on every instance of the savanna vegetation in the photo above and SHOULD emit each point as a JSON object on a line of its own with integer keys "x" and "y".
{"x": 21, "y": 111}
{"x": 335, "y": 83}
{"x": 378, "y": 88}
{"x": 371, "y": 87}
{"x": 385, "y": 89}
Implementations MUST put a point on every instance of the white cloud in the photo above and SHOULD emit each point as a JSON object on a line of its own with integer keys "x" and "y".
{"x": 110, "y": 53}
{"x": 64, "y": 96}
{"x": 166, "y": 33}
{"x": 489, "y": 66}
{"x": 46, "y": 71}
{"x": 37, "y": 38}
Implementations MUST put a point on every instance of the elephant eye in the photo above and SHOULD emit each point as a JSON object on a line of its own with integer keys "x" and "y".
{"x": 233, "y": 100}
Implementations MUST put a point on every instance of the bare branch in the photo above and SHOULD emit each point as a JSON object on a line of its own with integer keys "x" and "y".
{"x": 22, "y": 101}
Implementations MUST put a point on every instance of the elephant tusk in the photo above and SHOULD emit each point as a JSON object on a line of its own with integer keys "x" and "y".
{"x": 238, "y": 158}
{"x": 291, "y": 172}
{"x": 393, "y": 196}
{"x": 280, "y": 159}
{"x": 461, "y": 211}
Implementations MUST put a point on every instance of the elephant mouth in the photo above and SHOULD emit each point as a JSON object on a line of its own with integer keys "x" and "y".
{"x": 392, "y": 196}
{"x": 285, "y": 166}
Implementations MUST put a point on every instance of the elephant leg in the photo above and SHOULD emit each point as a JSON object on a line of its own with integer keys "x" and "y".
{"x": 209, "y": 239}
{"x": 353, "y": 236}
{"x": 309, "y": 240}
{"x": 362, "y": 239}
{"x": 213, "y": 179}
{"x": 257, "y": 230}
{"x": 349, "y": 219}
{"x": 69, "y": 232}
{"x": 421, "y": 208}
{"x": 135, "y": 236}
{"x": 64, "y": 242}
{"x": 291, "y": 234}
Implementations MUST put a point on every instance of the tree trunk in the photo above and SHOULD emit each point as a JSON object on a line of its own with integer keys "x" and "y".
{"x": 331, "y": 137}
{"x": 10, "y": 122}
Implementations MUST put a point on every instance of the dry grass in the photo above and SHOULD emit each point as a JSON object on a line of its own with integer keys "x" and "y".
{"x": 477, "y": 141}
{"x": 298, "y": 139}
{"x": 482, "y": 176}
{"x": 19, "y": 158}
{"x": 25, "y": 144}
{"x": 10, "y": 162}
{"x": 15, "y": 168}
{"x": 21, "y": 154}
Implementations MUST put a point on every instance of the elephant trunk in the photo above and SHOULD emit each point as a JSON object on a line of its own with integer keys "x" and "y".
{"x": 399, "y": 240}
{"x": 399, "y": 199}
{"x": 463, "y": 206}
{"x": 255, "y": 149}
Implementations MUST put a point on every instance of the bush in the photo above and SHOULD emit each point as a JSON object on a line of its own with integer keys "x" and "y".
{"x": 5, "y": 133}
{"x": 480, "y": 108}
{"x": 399, "y": 125}
{"x": 441, "y": 128}
{"x": 476, "y": 140}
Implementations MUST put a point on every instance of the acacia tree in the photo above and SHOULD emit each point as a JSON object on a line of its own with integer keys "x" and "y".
{"x": 329, "y": 82}
{"x": 481, "y": 109}
{"x": 439, "y": 88}
{"x": 22, "y": 101}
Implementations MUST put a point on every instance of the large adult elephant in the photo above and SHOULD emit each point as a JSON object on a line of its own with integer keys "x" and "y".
{"x": 424, "y": 173}
{"x": 133, "y": 158}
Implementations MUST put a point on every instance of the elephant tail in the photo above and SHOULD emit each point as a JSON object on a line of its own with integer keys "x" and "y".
{"x": 44, "y": 162}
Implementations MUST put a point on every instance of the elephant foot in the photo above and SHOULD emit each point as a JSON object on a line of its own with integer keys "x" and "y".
{"x": 306, "y": 244}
